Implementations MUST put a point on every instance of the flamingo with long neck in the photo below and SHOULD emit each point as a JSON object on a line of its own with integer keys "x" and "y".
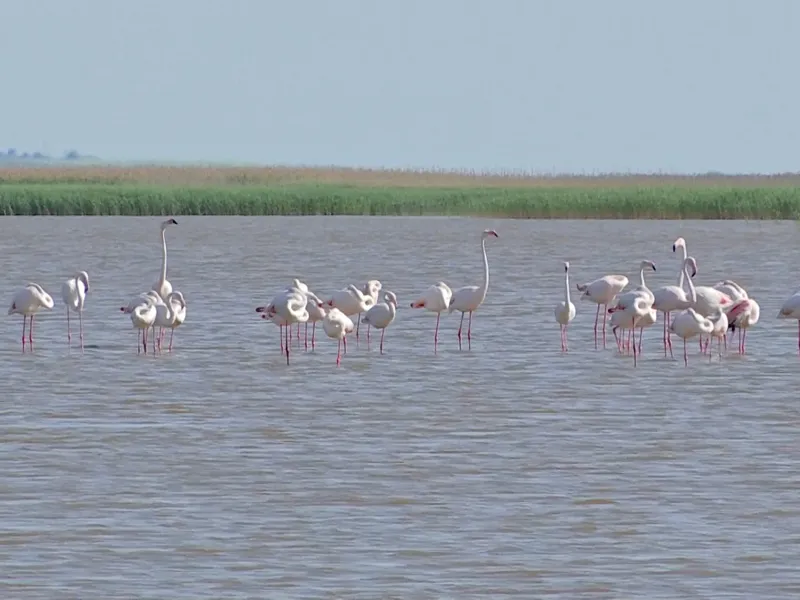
{"x": 671, "y": 298}
{"x": 565, "y": 310}
{"x": 467, "y": 299}
{"x": 163, "y": 286}
{"x": 707, "y": 297}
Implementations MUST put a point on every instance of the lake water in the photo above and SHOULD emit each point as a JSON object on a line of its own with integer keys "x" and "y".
{"x": 508, "y": 471}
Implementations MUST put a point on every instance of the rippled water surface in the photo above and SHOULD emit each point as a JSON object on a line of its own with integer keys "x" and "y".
{"x": 510, "y": 470}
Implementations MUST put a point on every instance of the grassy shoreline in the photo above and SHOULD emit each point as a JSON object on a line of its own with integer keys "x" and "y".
{"x": 161, "y": 190}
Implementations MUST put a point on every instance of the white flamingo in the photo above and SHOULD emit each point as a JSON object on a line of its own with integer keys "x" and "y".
{"x": 620, "y": 320}
{"x": 167, "y": 315}
{"x": 316, "y": 313}
{"x": 371, "y": 289}
{"x": 297, "y": 287}
{"x": 163, "y": 286}
{"x": 708, "y": 298}
{"x": 720, "y": 330}
{"x": 671, "y": 298}
{"x": 380, "y": 316}
{"x": 602, "y": 292}
{"x": 565, "y": 310}
{"x": 627, "y": 299}
{"x": 791, "y": 310}
{"x": 743, "y": 316}
{"x": 139, "y": 300}
{"x": 143, "y": 316}
{"x": 73, "y": 293}
{"x": 732, "y": 289}
{"x": 629, "y": 316}
{"x": 469, "y": 298}
{"x": 27, "y": 302}
{"x": 337, "y": 325}
{"x": 291, "y": 308}
{"x": 689, "y": 323}
{"x": 436, "y": 299}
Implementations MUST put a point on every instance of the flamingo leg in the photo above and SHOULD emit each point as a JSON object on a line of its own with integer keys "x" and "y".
{"x": 436, "y": 333}
{"x": 288, "y": 340}
{"x": 69, "y": 334}
{"x": 383, "y": 332}
{"x": 171, "y": 335}
{"x": 597, "y": 318}
{"x": 634, "y": 345}
{"x": 744, "y": 341}
{"x": 368, "y": 328}
{"x": 154, "y": 340}
{"x": 313, "y": 334}
{"x": 461, "y": 325}
{"x": 358, "y": 326}
{"x": 339, "y": 353}
{"x": 664, "y": 337}
{"x": 25, "y": 320}
{"x": 298, "y": 331}
{"x": 641, "y": 334}
{"x": 469, "y": 332}
{"x": 144, "y": 340}
{"x": 669, "y": 337}
{"x": 616, "y": 339}
{"x": 306, "y": 336}
{"x": 566, "y": 345}
{"x": 30, "y": 333}
{"x": 138, "y": 341}
{"x": 344, "y": 343}
{"x": 605, "y": 312}
{"x": 685, "y": 356}
{"x": 80, "y": 322}
{"x": 281, "y": 336}
{"x": 719, "y": 344}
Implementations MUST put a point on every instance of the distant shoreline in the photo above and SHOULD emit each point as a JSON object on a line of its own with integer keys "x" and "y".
{"x": 213, "y": 175}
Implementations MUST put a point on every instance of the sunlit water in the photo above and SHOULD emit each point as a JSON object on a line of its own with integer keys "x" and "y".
{"x": 510, "y": 470}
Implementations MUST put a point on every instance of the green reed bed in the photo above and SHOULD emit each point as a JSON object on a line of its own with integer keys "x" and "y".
{"x": 657, "y": 202}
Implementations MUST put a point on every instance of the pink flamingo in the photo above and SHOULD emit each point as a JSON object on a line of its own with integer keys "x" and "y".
{"x": 435, "y": 299}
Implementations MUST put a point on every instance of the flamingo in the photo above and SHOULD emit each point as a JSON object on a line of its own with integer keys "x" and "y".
{"x": 689, "y": 323}
{"x": 163, "y": 286}
{"x": 708, "y": 298}
{"x": 469, "y": 298}
{"x": 337, "y": 325}
{"x": 371, "y": 290}
{"x": 167, "y": 315}
{"x": 143, "y": 317}
{"x": 720, "y": 330}
{"x": 351, "y": 301}
{"x": 671, "y": 298}
{"x": 315, "y": 314}
{"x": 602, "y": 292}
{"x": 73, "y": 293}
{"x": 435, "y": 299}
{"x": 791, "y": 310}
{"x": 627, "y": 299}
{"x": 139, "y": 300}
{"x": 380, "y": 316}
{"x": 619, "y": 321}
{"x": 732, "y": 289}
{"x": 742, "y": 316}
{"x": 27, "y": 302}
{"x": 565, "y": 310}
{"x": 629, "y": 316}
{"x": 290, "y": 307}
{"x": 297, "y": 287}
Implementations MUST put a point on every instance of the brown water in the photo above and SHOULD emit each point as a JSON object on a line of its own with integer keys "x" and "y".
{"x": 509, "y": 471}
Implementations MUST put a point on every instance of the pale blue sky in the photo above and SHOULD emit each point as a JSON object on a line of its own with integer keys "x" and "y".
{"x": 560, "y": 85}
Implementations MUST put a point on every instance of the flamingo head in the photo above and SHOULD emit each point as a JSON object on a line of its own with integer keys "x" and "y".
{"x": 329, "y": 303}
{"x": 372, "y": 288}
{"x": 167, "y": 223}
{"x": 489, "y": 233}
{"x": 566, "y": 266}
{"x": 679, "y": 243}
{"x": 391, "y": 298}
{"x": 645, "y": 264}
{"x": 261, "y": 309}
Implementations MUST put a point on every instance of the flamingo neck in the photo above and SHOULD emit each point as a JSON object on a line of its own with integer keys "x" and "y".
{"x": 163, "y": 255}
{"x": 692, "y": 292}
{"x": 485, "y": 271}
{"x": 641, "y": 277}
{"x": 567, "y": 298}
{"x": 682, "y": 269}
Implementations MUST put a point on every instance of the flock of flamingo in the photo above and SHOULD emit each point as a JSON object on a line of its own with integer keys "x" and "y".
{"x": 162, "y": 308}
{"x": 705, "y": 312}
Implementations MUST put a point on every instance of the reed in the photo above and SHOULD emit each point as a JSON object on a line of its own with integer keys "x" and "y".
{"x": 281, "y": 198}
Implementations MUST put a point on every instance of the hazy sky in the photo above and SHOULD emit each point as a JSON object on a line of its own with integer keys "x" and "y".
{"x": 559, "y": 85}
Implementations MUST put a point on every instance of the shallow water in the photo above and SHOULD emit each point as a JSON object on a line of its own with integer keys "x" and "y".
{"x": 510, "y": 470}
